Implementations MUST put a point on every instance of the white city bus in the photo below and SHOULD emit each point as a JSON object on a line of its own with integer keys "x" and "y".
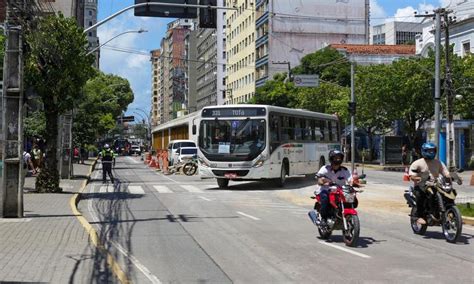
{"x": 252, "y": 142}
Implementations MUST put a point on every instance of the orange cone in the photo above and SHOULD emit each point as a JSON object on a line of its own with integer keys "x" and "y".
{"x": 472, "y": 179}
{"x": 355, "y": 177}
{"x": 406, "y": 175}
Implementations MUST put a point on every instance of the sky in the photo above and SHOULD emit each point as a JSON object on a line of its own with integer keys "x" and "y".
{"x": 136, "y": 66}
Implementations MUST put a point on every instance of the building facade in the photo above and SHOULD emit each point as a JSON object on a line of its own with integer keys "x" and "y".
{"x": 265, "y": 37}
{"x": 90, "y": 19}
{"x": 211, "y": 63}
{"x": 461, "y": 32}
{"x": 392, "y": 33}
{"x": 156, "y": 100}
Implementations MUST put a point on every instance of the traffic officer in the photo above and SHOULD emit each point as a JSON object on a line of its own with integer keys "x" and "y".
{"x": 107, "y": 156}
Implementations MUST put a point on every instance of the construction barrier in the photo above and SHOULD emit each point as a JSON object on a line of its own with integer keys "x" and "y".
{"x": 472, "y": 179}
{"x": 406, "y": 175}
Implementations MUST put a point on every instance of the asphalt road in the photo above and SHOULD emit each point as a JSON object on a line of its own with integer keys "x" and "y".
{"x": 179, "y": 229}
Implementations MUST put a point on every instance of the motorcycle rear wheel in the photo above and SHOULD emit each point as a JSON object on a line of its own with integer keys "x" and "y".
{"x": 417, "y": 228}
{"x": 189, "y": 169}
{"x": 351, "y": 236}
{"x": 452, "y": 224}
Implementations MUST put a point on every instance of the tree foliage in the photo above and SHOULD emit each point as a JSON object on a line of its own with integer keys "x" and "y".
{"x": 105, "y": 97}
{"x": 56, "y": 67}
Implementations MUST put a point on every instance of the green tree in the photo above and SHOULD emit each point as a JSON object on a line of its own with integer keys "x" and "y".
{"x": 56, "y": 67}
{"x": 276, "y": 92}
{"x": 105, "y": 97}
{"x": 329, "y": 64}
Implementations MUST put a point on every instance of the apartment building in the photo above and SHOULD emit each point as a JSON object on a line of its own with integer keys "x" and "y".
{"x": 156, "y": 99}
{"x": 395, "y": 33}
{"x": 90, "y": 19}
{"x": 265, "y": 36}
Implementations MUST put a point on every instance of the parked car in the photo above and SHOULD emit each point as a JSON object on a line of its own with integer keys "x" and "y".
{"x": 184, "y": 154}
{"x": 135, "y": 149}
{"x": 174, "y": 145}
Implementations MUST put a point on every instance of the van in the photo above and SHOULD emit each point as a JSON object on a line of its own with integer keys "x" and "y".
{"x": 174, "y": 145}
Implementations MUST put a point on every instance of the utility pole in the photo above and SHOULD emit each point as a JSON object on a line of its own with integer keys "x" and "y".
{"x": 437, "y": 97}
{"x": 352, "y": 111}
{"x": 12, "y": 114}
{"x": 289, "y": 68}
{"x": 450, "y": 160}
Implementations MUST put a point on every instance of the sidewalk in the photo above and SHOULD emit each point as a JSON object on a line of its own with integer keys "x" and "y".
{"x": 49, "y": 244}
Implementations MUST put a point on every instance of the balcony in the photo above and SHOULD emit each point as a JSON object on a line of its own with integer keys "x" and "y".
{"x": 262, "y": 19}
{"x": 261, "y": 40}
{"x": 261, "y": 61}
{"x": 260, "y": 82}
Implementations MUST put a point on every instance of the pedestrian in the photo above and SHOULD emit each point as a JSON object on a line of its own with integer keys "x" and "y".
{"x": 107, "y": 156}
{"x": 37, "y": 157}
{"x": 28, "y": 163}
{"x": 83, "y": 154}
{"x": 405, "y": 154}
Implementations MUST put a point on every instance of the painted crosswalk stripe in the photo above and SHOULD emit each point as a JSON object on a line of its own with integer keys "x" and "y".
{"x": 103, "y": 189}
{"x": 162, "y": 189}
{"x": 191, "y": 188}
{"x": 135, "y": 189}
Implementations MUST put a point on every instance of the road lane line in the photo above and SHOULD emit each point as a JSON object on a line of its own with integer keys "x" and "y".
{"x": 153, "y": 279}
{"x": 162, "y": 189}
{"x": 136, "y": 189}
{"x": 191, "y": 188}
{"x": 204, "y": 198}
{"x": 344, "y": 249}
{"x": 248, "y": 216}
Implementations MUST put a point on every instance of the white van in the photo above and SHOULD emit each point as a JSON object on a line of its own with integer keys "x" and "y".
{"x": 174, "y": 145}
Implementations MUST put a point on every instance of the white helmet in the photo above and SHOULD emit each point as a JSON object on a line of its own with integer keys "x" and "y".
{"x": 106, "y": 147}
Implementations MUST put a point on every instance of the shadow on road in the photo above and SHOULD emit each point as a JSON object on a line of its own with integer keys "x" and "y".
{"x": 364, "y": 242}
{"x": 463, "y": 239}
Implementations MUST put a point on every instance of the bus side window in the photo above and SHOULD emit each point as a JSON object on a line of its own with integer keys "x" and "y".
{"x": 331, "y": 136}
{"x": 284, "y": 126}
{"x": 274, "y": 132}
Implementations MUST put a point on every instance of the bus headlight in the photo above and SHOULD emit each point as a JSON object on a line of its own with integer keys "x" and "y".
{"x": 260, "y": 162}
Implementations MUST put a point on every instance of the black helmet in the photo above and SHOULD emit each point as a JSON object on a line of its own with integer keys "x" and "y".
{"x": 333, "y": 154}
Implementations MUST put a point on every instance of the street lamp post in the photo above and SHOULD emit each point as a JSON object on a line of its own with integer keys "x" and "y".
{"x": 148, "y": 117}
{"x": 126, "y": 32}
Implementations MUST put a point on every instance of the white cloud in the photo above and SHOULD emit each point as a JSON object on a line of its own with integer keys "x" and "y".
{"x": 445, "y": 3}
{"x": 377, "y": 13}
{"x": 406, "y": 14}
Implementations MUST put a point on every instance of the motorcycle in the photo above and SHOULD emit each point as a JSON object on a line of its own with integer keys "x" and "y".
{"x": 190, "y": 166}
{"x": 440, "y": 206}
{"x": 342, "y": 203}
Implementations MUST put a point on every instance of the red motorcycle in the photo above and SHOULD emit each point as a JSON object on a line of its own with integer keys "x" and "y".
{"x": 342, "y": 203}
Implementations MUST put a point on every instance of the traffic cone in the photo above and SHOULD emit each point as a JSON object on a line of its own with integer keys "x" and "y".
{"x": 406, "y": 175}
{"x": 152, "y": 162}
{"x": 355, "y": 177}
{"x": 472, "y": 179}
{"x": 158, "y": 161}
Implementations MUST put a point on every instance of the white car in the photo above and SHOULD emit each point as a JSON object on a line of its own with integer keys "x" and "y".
{"x": 174, "y": 145}
{"x": 185, "y": 153}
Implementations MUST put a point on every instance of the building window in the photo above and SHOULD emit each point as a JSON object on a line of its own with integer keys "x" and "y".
{"x": 466, "y": 48}
{"x": 90, "y": 12}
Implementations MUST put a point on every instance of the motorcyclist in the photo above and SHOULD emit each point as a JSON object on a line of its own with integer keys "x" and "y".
{"x": 334, "y": 173}
{"x": 107, "y": 156}
{"x": 427, "y": 164}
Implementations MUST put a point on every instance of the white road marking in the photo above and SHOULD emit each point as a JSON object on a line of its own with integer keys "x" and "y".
{"x": 135, "y": 189}
{"x": 345, "y": 249}
{"x": 103, "y": 189}
{"x": 14, "y": 220}
{"x": 248, "y": 216}
{"x": 191, "y": 188}
{"x": 133, "y": 160}
{"x": 153, "y": 279}
{"x": 162, "y": 189}
{"x": 204, "y": 198}
{"x": 134, "y": 260}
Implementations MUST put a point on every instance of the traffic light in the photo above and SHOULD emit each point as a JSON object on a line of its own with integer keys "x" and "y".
{"x": 351, "y": 107}
{"x": 208, "y": 16}
{"x": 166, "y": 11}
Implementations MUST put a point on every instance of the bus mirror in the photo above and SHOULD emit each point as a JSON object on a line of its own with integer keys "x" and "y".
{"x": 194, "y": 129}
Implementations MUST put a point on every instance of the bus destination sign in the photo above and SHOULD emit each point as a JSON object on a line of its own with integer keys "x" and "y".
{"x": 232, "y": 112}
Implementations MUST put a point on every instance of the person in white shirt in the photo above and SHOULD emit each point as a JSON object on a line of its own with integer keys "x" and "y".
{"x": 334, "y": 173}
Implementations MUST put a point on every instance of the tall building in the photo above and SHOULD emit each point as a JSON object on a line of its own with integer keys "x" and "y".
{"x": 266, "y": 37}
{"x": 395, "y": 33}
{"x": 90, "y": 19}
{"x": 190, "y": 77}
{"x": 173, "y": 85}
{"x": 156, "y": 99}
{"x": 211, "y": 66}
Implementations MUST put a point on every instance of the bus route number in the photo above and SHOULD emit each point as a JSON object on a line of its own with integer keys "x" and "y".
{"x": 216, "y": 113}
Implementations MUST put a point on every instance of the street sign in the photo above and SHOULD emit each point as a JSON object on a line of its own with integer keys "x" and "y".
{"x": 122, "y": 119}
{"x": 167, "y": 11}
{"x": 306, "y": 80}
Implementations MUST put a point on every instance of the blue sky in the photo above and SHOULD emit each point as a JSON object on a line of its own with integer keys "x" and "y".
{"x": 137, "y": 68}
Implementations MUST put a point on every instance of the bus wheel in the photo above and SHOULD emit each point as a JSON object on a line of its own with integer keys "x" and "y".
{"x": 283, "y": 173}
{"x": 222, "y": 182}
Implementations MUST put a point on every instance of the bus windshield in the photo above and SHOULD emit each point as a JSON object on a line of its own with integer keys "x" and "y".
{"x": 232, "y": 140}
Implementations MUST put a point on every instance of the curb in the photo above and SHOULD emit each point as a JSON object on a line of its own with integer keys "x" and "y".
{"x": 468, "y": 220}
{"x": 94, "y": 237}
